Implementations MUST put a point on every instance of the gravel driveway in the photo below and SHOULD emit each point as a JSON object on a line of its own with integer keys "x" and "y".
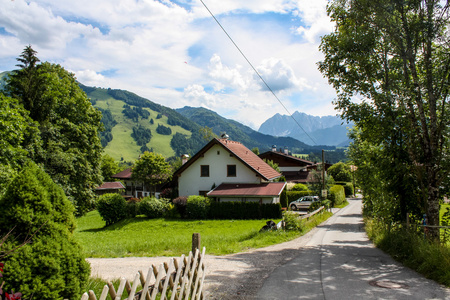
{"x": 235, "y": 276}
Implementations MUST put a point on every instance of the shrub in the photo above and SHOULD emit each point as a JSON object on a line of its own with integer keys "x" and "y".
{"x": 153, "y": 208}
{"x": 291, "y": 221}
{"x": 197, "y": 207}
{"x": 348, "y": 189}
{"x": 337, "y": 195}
{"x": 133, "y": 207}
{"x": 112, "y": 208}
{"x": 180, "y": 205}
{"x": 53, "y": 265}
{"x": 299, "y": 187}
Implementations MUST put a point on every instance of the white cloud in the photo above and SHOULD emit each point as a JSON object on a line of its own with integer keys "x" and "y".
{"x": 176, "y": 55}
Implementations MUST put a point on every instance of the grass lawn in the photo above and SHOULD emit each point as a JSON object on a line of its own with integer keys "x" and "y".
{"x": 160, "y": 237}
{"x": 444, "y": 208}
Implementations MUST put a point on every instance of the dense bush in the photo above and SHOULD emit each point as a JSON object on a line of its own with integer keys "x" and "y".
{"x": 337, "y": 195}
{"x": 112, "y": 208}
{"x": 291, "y": 221}
{"x": 180, "y": 205}
{"x": 299, "y": 187}
{"x": 52, "y": 266}
{"x": 348, "y": 189}
{"x": 153, "y": 208}
{"x": 161, "y": 129}
{"x": 410, "y": 248}
{"x": 244, "y": 210}
{"x": 197, "y": 207}
{"x": 141, "y": 135}
{"x": 133, "y": 207}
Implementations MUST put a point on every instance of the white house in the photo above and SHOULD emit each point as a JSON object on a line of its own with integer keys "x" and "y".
{"x": 229, "y": 171}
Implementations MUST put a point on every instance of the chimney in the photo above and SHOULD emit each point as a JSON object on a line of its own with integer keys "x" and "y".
{"x": 184, "y": 159}
{"x": 286, "y": 150}
{"x": 274, "y": 148}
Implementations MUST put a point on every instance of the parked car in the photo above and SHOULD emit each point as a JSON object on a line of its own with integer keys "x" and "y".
{"x": 303, "y": 203}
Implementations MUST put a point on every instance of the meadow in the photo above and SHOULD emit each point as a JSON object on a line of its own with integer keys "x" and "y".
{"x": 141, "y": 236}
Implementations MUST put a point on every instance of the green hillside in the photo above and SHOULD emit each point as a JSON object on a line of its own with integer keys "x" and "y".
{"x": 120, "y": 126}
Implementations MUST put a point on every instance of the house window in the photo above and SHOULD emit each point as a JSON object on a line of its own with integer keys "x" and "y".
{"x": 204, "y": 171}
{"x": 231, "y": 170}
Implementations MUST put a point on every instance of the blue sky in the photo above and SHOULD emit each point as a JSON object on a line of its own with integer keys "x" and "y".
{"x": 174, "y": 53}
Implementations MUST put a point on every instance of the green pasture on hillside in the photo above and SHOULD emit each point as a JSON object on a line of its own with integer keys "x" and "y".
{"x": 123, "y": 146}
{"x": 160, "y": 237}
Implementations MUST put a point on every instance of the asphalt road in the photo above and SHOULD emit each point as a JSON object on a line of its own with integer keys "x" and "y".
{"x": 340, "y": 262}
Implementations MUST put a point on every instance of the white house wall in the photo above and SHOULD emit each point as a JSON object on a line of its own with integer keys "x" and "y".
{"x": 190, "y": 182}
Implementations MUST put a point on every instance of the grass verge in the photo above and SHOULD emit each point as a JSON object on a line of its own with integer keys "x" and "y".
{"x": 429, "y": 259}
{"x": 160, "y": 237}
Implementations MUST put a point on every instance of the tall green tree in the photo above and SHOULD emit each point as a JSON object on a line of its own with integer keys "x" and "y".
{"x": 19, "y": 139}
{"x": 389, "y": 62}
{"x": 68, "y": 124}
{"x": 340, "y": 172}
{"x": 151, "y": 169}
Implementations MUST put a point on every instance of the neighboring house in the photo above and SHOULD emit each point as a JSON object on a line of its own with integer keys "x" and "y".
{"x": 229, "y": 171}
{"x": 133, "y": 188}
{"x": 110, "y": 187}
{"x": 294, "y": 169}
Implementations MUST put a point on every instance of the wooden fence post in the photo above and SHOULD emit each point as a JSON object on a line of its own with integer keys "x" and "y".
{"x": 195, "y": 242}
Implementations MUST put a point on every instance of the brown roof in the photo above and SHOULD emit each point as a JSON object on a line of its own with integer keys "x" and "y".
{"x": 242, "y": 153}
{"x": 125, "y": 174}
{"x": 248, "y": 190}
{"x": 278, "y": 157}
{"x": 111, "y": 186}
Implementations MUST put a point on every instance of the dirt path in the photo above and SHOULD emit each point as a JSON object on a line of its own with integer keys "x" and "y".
{"x": 236, "y": 276}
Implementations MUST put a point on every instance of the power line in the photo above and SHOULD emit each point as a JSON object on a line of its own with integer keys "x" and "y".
{"x": 257, "y": 73}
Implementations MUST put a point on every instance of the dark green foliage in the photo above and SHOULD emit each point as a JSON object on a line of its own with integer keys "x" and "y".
{"x": 410, "y": 248}
{"x": 291, "y": 221}
{"x": 180, "y": 204}
{"x": 159, "y": 116}
{"x": 52, "y": 266}
{"x": 141, "y": 135}
{"x": 112, "y": 208}
{"x": 244, "y": 210}
{"x": 152, "y": 122}
{"x": 337, "y": 195}
{"x": 135, "y": 112}
{"x": 161, "y": 129}
{"x": 445, "y": 221}
{"x": 153, "y": 208}
{"x": 348, "y": 189}
{"x": 19, "y": 136}
{"x": 340, "y": 172}
{"x": 181, "y": 144}
{"x": 108, "y": 124}
{"x": 299, "y": 187}
{"x": 283, "y": 198}
{"x": 144, "y": 148}
{"x": 69, "y": 126}
{"x": 197, "y": 207}
{"x": 133, "y": 208}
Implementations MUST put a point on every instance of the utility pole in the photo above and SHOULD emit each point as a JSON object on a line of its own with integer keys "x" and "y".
{"x": 324, "y": 195}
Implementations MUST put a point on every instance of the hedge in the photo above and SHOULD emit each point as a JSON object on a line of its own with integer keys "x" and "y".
{"x": 337, "y": 195}
{"x": 244, "y": 210}
{"x": 294, "y": 195}
{"x": 348, "y": 187}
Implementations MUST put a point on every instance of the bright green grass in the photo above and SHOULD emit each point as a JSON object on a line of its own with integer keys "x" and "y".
{"x": 123, "y": 145}
{"x": 159, "y": 237}
{"x": 441, "y": 213}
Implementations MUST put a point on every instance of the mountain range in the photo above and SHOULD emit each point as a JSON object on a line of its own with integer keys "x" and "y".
{"x": 133, "y": 124}
{"x": 326, "y": 130}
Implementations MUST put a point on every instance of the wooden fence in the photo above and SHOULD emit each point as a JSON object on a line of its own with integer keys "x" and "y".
{"x": 181, "y": 279}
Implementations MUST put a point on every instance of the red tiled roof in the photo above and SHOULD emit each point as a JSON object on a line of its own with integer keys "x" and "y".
{"x": 125, "y": 174}
{"x": 250, "y": 159}
{"x": 248, "y": 190}
{"x": 246, "y": 156}
{"x": 111, "y": 186}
